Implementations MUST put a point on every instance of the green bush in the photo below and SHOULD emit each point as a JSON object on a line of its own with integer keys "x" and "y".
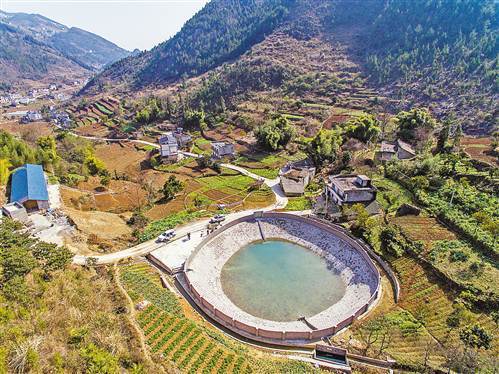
{"x": 98, "y": 360}
{"x": 275, "y": 133}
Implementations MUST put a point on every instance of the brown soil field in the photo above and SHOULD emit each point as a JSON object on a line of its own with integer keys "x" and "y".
{"x": 334, "y": 119}
{"x": 107, "y": 226}
{"x": 161, "y": 210}
{"x": 122, "y": 157}
{"x": 242, "y": 141}
{"x": 478, "y": 148}
{"x": 95, "y": 129}
{"x": 30, "y": 131}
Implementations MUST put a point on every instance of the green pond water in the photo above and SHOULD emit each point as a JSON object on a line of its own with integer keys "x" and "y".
{"x": 280, "y": 281}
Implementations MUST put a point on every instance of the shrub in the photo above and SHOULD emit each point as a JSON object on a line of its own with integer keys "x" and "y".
{"x": 364, "y": 128}
{"x": 98, "y": 360}
{"x": 458, "y": 255}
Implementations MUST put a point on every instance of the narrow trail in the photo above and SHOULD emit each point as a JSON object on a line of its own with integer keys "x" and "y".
{"x": 132, "y": 320}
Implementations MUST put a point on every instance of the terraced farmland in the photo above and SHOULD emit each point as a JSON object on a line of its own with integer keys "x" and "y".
{"x": 441, "y": 244}
{"x": 428, "y": 303}
{"x": 190, "y": 346}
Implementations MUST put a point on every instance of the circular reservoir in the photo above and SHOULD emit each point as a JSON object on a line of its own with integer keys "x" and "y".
{"x": 280, "y": 281}
{"x": 302, "y": 268}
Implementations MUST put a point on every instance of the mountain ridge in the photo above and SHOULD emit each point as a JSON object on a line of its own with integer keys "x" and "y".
{"x": 413, "y": 63}
{"x": 67, "y": 48}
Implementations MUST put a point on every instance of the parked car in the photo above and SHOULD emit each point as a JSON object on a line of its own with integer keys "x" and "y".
{"x": 217, "y": 219}
{"x": 166, "y": 236}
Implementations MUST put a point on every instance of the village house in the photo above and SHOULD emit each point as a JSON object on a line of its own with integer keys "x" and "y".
{"x": 349, "y": 189}
{"x": 295, "y": 177}
{"x": 168, "y": 147}
{"x": 25, "y": 100}
{"x": 29, "y": 188}
{"x": 222, "y": 149}
{"x": 399, "y": 150}
{"x": 61, "y": 119}
{"x": 31, "y": 116}
{"x": 183, "y": 139}
{"x": 165, "y": 126}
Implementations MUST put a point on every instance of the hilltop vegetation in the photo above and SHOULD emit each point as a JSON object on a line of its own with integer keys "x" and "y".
{"x": 443, "y": 54}
{"x": 222, "y": 30}
{"x": 447, "y": 61}
{"x": 23, "y": 57}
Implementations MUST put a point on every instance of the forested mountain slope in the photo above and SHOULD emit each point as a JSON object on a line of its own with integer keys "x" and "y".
{"x": 438, "y": 54}
{"x": 23, "y": 57}
{"x": 76, "y": 46}
{"x": 222, "y": 30}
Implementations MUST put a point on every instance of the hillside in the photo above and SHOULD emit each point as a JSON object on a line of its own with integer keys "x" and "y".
{"x": 23, "y": 57}
{"x": 40, "y": 35}
{"x": 222, "y": 30}
{"x": 429, "y": 61}
{"x": 447, "y": 61}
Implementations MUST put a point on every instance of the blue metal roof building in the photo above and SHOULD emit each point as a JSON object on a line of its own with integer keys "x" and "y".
{"x": 29, "y": 187}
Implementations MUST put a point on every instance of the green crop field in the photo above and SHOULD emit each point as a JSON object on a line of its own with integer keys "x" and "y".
{"x": 103, "y": 109}
{"x": 298, "y": 203}
{"x": 188, "y": 345}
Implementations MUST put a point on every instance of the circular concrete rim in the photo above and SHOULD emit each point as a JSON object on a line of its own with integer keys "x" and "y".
{"x": 278, "y": 336}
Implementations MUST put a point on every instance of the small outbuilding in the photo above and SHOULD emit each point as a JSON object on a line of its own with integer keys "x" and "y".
{"x": 29, "y": 188}
{"x": 391, "y": 150}
{"x": 15, "y": 211}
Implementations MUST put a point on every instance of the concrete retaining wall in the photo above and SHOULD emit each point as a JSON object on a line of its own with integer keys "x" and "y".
{"x": 283, "y": 337}
{"x": 391, "y": 274}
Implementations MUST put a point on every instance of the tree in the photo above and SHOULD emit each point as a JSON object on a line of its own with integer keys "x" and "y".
{"x": 458, "y": 135}
{"x": 419, "y": 182}
{"x": 325, "y": 146}
{"x": 475, "y": 337}
{"x": 443, "y": 136}
{"x": 275, "y": 133}
{"x": 138, "y": 219}
{"x": 414, "y": 123}
{"x": 51, "y": 257}
{"x": 361, "y": 224}
{"x": 171, "y": 187}
{"x": 48, "y": 148}
{"x": 4, "y": 171}
{"x": 95, "y": 165}
{"x": 379, "y": 329}
{"x": 143, "y": 116}
{"x": 365, "y": 128}
{"x": 389, "y": 238}
{"x": 195, "y": 119}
